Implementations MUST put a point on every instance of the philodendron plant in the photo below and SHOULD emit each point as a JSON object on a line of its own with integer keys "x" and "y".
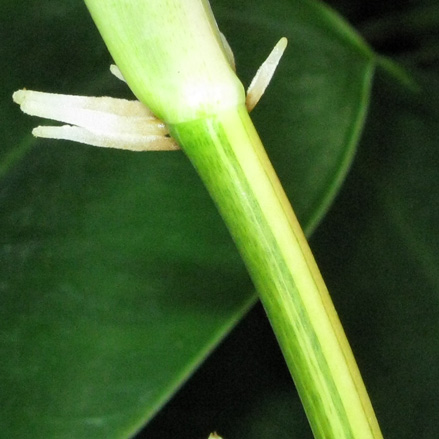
{"x": 181, "y": 69}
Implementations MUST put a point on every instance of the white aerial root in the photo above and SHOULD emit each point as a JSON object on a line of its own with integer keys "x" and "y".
{"x": 116, "y": 72}
{"x": 97, "y": 121}
{"x": 264, "y": 74}
{"x": 120, "y": 123}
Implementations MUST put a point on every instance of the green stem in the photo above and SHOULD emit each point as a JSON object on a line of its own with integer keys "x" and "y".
{"x": 228, "y": 154}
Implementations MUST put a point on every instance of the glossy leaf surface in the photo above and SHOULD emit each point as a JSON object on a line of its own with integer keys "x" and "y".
{"x": 378, "y": 250}
{"x": 117, "y": 274}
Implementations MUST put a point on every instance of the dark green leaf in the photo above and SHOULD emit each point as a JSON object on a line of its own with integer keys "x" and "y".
{"x": 117, "y": 275}
{"x": 378, "y": 249}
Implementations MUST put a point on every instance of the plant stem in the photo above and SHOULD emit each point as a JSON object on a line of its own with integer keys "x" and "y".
{"x": 228, "y": 155}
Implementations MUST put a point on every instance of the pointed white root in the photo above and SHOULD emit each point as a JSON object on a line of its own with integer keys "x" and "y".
{"x": 130, "y": 142}
{"x": 116, "y": 72}
{"x": 228, "y": 51}
{"x": 264, "y": 74}
{"x": 103, "y": 121}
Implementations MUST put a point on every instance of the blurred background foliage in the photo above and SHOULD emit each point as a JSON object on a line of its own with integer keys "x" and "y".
{"x": 378, "y": 250}
{"x": 90, "y": 240}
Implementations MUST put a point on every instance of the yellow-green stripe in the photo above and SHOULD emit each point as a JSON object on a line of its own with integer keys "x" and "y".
{"x": 231, "y": 161}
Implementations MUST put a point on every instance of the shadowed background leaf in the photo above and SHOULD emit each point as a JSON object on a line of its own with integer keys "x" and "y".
{"x": 378, "y": 250}
{"x": 117, "y": 276}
